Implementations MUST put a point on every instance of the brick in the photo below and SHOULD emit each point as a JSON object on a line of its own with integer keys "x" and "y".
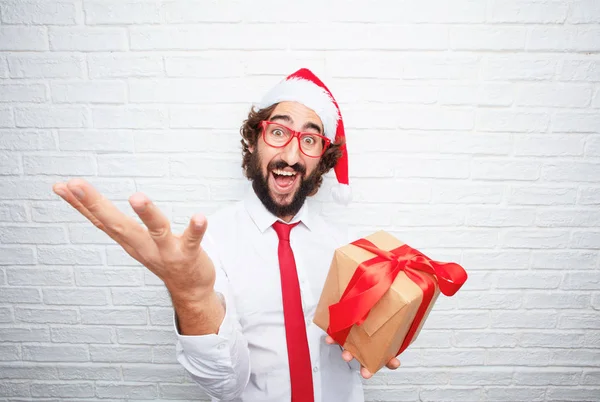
{"x": 119, "y": 13}
{"x": 596, "y": 302}
{"x": 46, "y": 65}
{"x": 135, "y": 166}
{"x": 20, "y": 389}
{"x": 145, "y": 336}
{"x": 55, "y": 211}
{"x": 121, "y": 316}
{"x": 60, "y": 165}
{"x": 183, "y": 12}
{"x": 117, "y": 256}
{"x": 487, "y": 38}
{"x": 411, "y": 376}
{"x": 509, "y": 121}
{"x": 528, "y": 280}
{"x": 87, "y": 39}
{"x": 390, "y": 91}
{"x": 161, "y": 316}
{"x": 589, "y": 195}
{"x": 39, "y": 12}
{"x": 535, "y": 195}
{"x": 46, "y": 276}
{"x": 55, "y": 353}
{"x": 554, "y": 95}
{"x": 514, "y": 393}
{"x": 447, "y": 320}
{"x": 575, "y": 357}
{"x": 217, "y": 117}
{"x": 156, "y": 374}
{"x": 549, "y": 145}
{"x": 535, "y": 238}
{"x": 174, "y": 190}
{"x": 121, "y": 65}
{"x": 386, "y": 394}
{"x": 6, "y": 315}
{"x": 10, "y": 164}
{"x": 586, "y": 240}
{"x": 3, "y": 67}
{"x": 555, "y": 300}
{"x": 467, "y": 193}
{"x": 51, "y": 117}
{"x": 215, "y": 36}
{"x": 579, "y": 39}
{"x": 519, "y": 11}
{"x": 223, "y": 167}
{"x": 25, "y": 371}
{"x": 575, "y": 122}
{"x": 22, "y": 38}
{"x": 568, "y": 218}
{"x": 592, "y": 146}
{"x": 551, "y": 340}
{"x": 580, "y": 70}
{"x": 9, "y": 353}
{"x": 94, "y": 372}
{"x": 46, "y": 315}
{"x": 518, "y": 357}
{"x": 481, "y": 376}
{"x": 504, "y": 169}
{"x": 185, "y": 141}
{"x": 88, "y": 234}
{"x": 141, "y": 297}
{"x": 477, "y": 238}
{"x": 81, "y": 335}
{"x": 152, "y": 280}
{"x": 7, "y": 118}
{"x": 75, "y": 297}
{"x": 499, "y": 217}
{"x": 411, "y": 216}
{"x": 79, "y": 389}
{"x": 572, "y": 320}
{"x": 428, "y": 394}
{"x": 590, "y": 338}
{"x": 129, "y": 391}
{"x": 16, "y": 256}
{"x": 64, "y": 255}
{"x": 96, "y": 140}
{"x": 490, "y": 259}
{"x": 427, "y": 11}
{"x": 552, "y": 259}
{"x": 123, "y": 354}
{"x": 89, "y": 92}
{"x": 213, "y": 66}
{"x": 102, "y": 276}
{"x": 572, "y": 393}
{"x": 19, "y": 295}
{"x": 590, "y": 377}
{"x": 425, "y": 167}
{"x": 449, "y": 358}
{"x": 584, "y": 12}
{"x": 431, "y": 338}
{"x": 27, "y": 140}
{"x": 179, "y": 391}
{"x": 234, "y": 190}
{"x": 35, "y": 93}
{"x": 484, "y": 338}
{"x": 489, "y": 94}
{"x": 129, "y": 117}
{"x": 164, "y": 355}
{"x": 520, "y": 319}
{"x": 518, "y": 67}
{"x": 581, "y": 281}
{"x": 28, "y": 334}
{"x": 569, "y": 171}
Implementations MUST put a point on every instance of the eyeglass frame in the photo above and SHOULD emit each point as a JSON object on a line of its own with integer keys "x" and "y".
{"x": 296, "y": 134}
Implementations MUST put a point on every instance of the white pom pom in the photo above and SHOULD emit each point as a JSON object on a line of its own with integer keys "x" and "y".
{"x": 342, "y": 194}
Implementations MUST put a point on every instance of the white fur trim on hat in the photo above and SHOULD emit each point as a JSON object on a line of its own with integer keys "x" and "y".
{"x": 310, "y": 95}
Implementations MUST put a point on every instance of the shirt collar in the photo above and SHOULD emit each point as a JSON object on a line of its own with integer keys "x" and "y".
{"x": 263, "y": 219}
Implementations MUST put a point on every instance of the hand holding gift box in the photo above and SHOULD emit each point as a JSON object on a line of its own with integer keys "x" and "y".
{"x": 377, "y": 295}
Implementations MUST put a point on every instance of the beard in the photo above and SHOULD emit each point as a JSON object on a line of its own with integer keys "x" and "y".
{"x": 260, "y": 185}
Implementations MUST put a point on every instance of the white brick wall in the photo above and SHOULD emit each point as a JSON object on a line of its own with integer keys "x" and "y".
{"x": 474, "y": 134}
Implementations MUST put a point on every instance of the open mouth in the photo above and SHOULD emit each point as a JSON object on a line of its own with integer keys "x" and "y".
{"x": 284, "y": 179}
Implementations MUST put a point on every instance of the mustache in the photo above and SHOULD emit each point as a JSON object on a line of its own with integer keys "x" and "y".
{"x": 296, "y": 167}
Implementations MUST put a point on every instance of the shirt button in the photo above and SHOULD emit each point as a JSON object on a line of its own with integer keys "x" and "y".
{"x": 315, "y": 369}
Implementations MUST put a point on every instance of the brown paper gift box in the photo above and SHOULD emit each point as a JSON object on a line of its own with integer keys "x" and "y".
{"x": 380, "y": 336}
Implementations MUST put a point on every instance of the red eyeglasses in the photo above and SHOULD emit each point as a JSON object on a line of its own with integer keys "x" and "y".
{"x": 278, "y": 136}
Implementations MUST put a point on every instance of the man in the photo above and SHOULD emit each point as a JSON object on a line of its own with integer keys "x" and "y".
{"x": 244, "y": 315}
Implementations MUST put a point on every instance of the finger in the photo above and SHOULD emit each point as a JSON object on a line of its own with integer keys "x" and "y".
{"x": 193, "y": 234}
{"x": 393, "y": 364}
{"x": 329, "y": 340}
{"x": 122, "y": 228}
{"x": 347, "y": 356}
{"x": 366, "y": 374}
{"x": 157, "y": 223}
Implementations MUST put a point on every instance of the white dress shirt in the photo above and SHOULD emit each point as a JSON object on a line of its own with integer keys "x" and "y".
{"x": 247, "y": 360}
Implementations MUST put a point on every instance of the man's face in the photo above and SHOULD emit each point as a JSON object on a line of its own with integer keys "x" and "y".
{"x": 284, "y": 177}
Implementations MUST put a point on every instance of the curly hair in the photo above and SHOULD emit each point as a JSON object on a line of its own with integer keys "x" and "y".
{"x": 251, "y": 130}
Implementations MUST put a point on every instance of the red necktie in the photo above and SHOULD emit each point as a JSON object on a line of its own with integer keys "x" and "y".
{"x": 295, "y": 328}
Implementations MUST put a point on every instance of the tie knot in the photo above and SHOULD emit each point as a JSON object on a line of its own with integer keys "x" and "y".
{"x": 283, "y": 230}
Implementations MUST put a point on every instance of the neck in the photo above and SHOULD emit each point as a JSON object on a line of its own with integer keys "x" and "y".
{"x": 287, "y": 218}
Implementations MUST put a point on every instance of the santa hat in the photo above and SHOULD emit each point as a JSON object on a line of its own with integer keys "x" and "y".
{"x": 304, "y": 87}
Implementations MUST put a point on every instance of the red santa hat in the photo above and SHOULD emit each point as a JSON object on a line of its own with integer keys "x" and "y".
{"x": 306, "y": 88}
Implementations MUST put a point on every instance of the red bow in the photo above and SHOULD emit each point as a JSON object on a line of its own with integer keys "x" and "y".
{"x": 374, "y": 277}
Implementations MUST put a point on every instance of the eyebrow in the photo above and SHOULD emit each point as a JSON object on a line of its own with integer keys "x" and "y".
{"x": 288, "y": 119}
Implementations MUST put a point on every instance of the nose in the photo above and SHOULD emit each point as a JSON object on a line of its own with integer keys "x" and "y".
{"x": 291, "y": 152}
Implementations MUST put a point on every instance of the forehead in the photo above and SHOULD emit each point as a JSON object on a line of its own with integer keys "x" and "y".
{"x": 299, "y": 113}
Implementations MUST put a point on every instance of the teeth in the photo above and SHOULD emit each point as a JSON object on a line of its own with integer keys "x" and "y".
{"x": 284, "y": 173}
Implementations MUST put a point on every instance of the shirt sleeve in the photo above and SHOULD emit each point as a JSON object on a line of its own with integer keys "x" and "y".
{"x": 219, "y": 363}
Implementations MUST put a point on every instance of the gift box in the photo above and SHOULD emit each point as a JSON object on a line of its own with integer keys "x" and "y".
{"x": 377, "y": 295}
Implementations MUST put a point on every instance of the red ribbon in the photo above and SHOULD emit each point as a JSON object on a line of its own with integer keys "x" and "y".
{"x": 373, "y": 278}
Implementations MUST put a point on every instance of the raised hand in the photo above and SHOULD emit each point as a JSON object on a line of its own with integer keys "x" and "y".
{"x": 393, "y": 364}
{"x": 178, "y": 260}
